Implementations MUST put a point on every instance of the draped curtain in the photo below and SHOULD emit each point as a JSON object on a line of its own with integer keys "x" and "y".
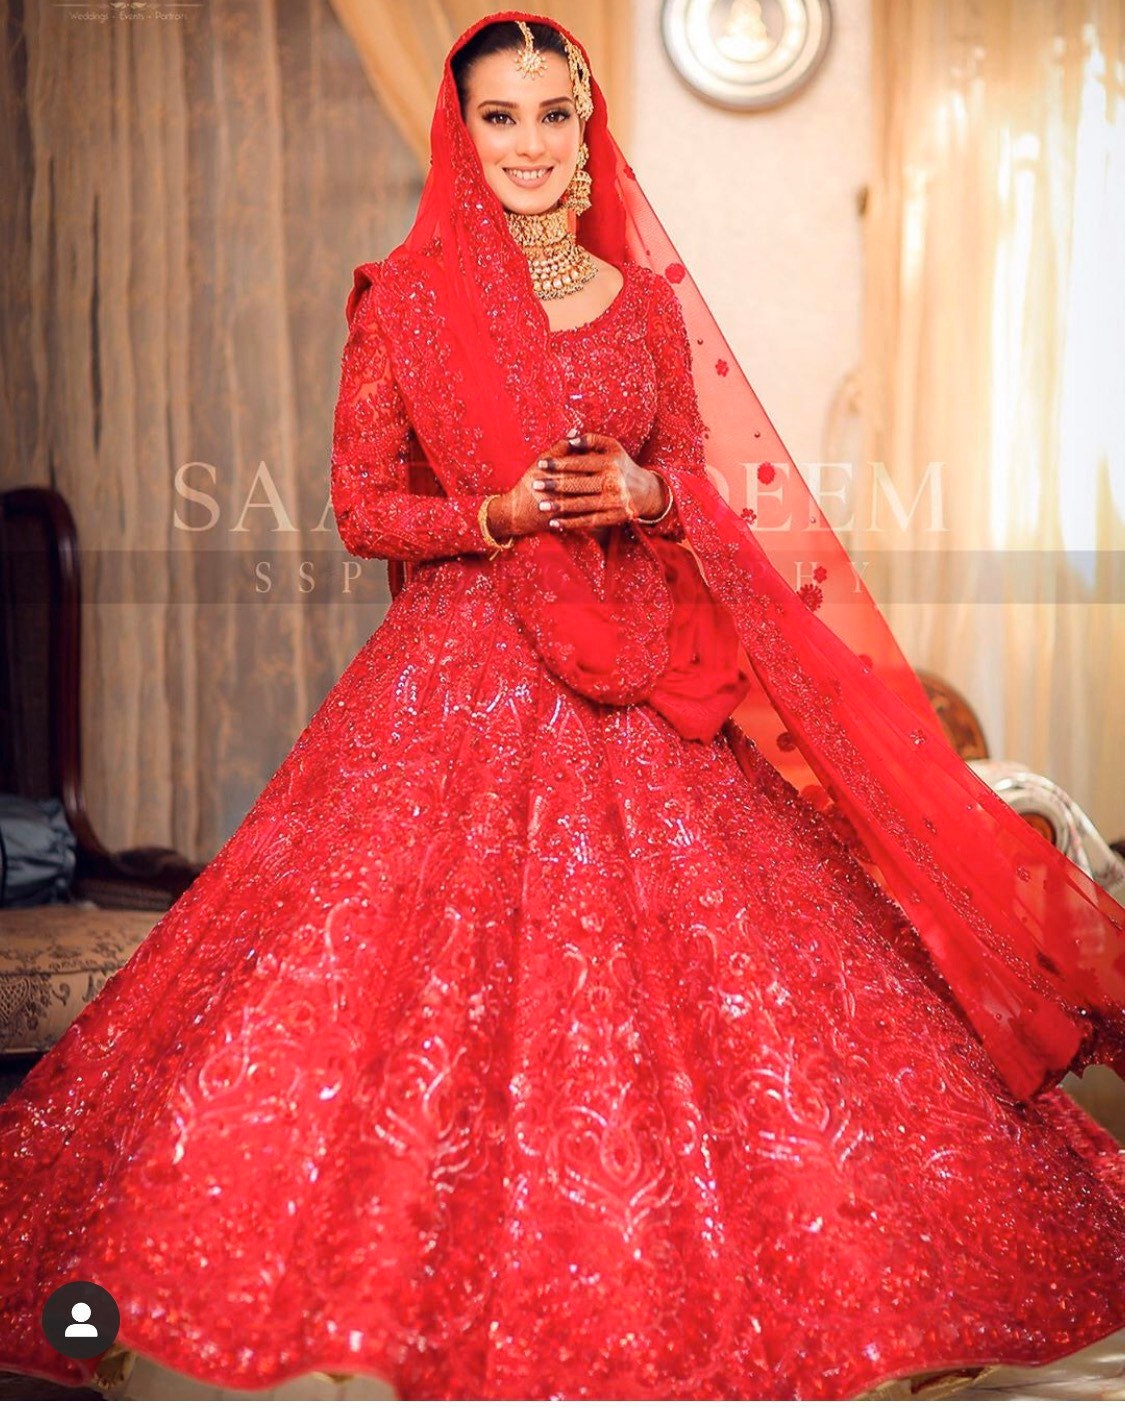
{"x": 993, "y": 385}
{"x": 403, "y": 49}
{"x": 185, "y": 198}
{"x": 185, "y": 195}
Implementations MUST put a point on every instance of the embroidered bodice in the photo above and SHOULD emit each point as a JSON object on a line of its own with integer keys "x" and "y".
{"x": 630, "y": 366}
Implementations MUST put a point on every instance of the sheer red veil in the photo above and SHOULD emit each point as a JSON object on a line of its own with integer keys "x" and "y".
{"x": 1033, "y": 950}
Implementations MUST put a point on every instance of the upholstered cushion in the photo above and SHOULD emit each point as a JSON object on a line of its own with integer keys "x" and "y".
{"x": 53, "y": 961}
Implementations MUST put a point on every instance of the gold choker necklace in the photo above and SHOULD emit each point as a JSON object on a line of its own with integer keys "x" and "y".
{"x": 558, "y": 263}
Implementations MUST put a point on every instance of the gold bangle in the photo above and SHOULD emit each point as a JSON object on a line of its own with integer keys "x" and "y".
{"x": 657, "y": 519}
{"x": 489, "y": 537}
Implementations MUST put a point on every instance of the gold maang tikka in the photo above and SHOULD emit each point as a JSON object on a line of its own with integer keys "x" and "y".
{"x": 529, "y": 61}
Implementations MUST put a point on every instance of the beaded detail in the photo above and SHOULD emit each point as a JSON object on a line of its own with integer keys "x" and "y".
{"x": 636, "y": 346}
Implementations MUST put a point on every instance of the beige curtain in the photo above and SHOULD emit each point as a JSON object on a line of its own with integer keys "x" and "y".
{"x": 403, "y": 49}
{"x": 186, "y": 195}
{"x": 993, "y": 371}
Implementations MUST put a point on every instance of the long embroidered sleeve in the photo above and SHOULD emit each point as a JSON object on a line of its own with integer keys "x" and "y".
{"x": 377, "y": 517}
{"x": 675, "y": 444}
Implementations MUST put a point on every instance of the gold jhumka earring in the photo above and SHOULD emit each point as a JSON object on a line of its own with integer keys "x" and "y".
{"x": 577, "y": 195}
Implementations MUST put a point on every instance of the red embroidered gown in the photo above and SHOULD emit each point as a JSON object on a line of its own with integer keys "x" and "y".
{"x": 514, "y": 1046}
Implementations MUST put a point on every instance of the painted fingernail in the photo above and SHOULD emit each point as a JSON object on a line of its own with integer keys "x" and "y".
{"x": 554, "y": 524}
{"x": 538, "y": 485}
{"x": 545, "y": 505}
{"x": 542, "y": 465}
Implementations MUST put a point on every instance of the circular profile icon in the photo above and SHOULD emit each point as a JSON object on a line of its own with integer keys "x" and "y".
{"x": 81, "y": 1320}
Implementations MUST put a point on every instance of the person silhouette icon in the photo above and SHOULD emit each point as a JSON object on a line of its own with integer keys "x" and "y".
{"x": 81, "y": 1319}
{"x": 80, "y": 1313}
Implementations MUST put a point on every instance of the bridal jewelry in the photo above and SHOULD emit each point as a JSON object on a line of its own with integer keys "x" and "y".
{"x": 529, "y": 61}
{"x": 655, "y": 520}
{"x": 579, "y": 79}
{"x": 576, "y": 197}
{"x": 489, "y": 537}
{"x": 559, "y": 265}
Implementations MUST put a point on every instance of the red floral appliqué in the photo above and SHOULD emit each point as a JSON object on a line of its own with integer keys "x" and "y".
{"x": 812, "y": 595}
{"x": 766, "y": 472}
{"x": 675, "y": 272}
{"x": 817, "y": 796}
{"x": 722, "y": 367}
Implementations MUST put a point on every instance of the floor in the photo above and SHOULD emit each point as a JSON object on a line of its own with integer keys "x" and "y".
{"x": 1094, "y": 1373}
{"x": 16, "y": 1389}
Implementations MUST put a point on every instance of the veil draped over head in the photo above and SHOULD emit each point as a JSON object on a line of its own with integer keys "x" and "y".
{"x": 787, "y": 642}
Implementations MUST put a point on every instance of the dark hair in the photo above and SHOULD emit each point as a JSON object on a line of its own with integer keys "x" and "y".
{"x": 500, "y": 37}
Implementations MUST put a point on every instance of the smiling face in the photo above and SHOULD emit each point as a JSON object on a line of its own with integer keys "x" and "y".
{"x": 524, "y": 125}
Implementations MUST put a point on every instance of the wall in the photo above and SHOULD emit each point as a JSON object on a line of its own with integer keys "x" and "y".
{"x": 763, "y": 209}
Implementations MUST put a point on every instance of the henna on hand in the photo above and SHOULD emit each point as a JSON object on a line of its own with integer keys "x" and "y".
{"x": 598, "y": 483}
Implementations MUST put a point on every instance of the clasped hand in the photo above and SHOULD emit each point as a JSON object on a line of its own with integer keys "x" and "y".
{"x": 587, "y": 482}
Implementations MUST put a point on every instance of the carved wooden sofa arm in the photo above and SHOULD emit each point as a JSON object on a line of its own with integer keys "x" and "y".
{"x": 1074, "y": 835}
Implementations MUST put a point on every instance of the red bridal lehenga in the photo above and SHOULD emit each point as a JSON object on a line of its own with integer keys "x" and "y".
{"x": 520, "y": 1045}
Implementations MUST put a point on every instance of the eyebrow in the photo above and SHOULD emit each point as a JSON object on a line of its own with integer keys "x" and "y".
{"x": 503, "y": 103}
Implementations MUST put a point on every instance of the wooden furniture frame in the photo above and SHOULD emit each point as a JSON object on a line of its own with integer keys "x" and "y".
{"x": 40, "y": 699}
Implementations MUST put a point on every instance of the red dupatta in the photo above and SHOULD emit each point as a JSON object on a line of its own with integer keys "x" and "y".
{"x": 1031, "y": 947}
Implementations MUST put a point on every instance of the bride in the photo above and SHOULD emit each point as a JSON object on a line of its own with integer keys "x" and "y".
{"x": 620, "y": 990}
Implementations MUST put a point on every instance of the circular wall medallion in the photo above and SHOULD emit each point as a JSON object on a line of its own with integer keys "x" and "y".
{"x": 746, "y": 54}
